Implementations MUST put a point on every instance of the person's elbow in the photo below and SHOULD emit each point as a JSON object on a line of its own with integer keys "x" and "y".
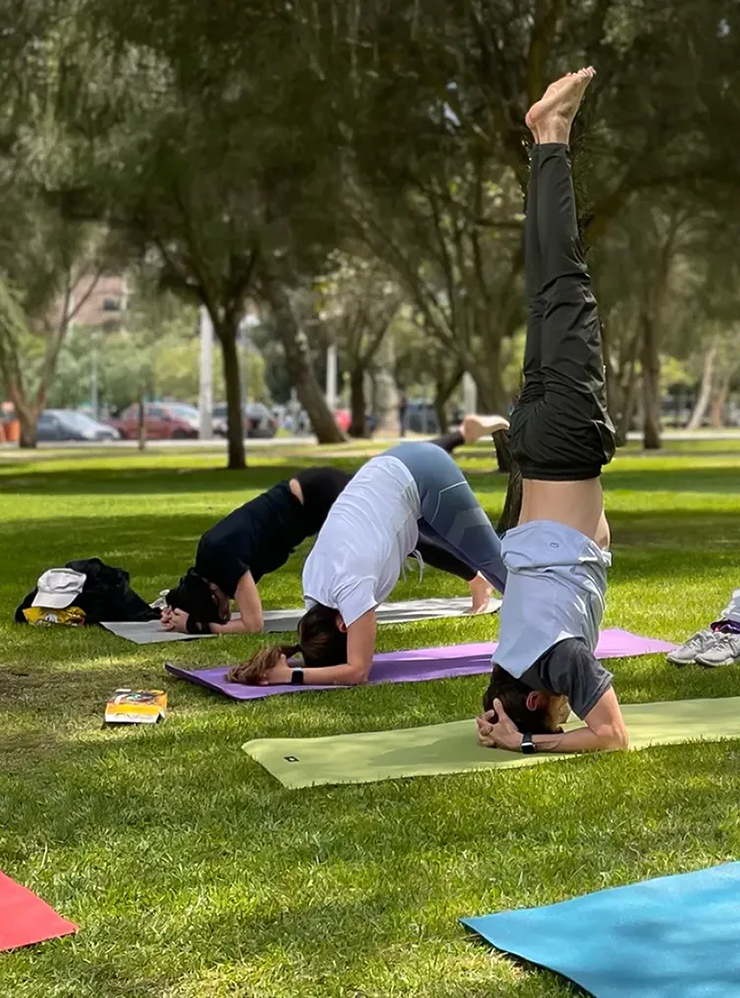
{"x": 253, "y": 624}
{"x": 357, "y": 674}
{"x": 607, "y": 725}
{"x": 613, "y": 737}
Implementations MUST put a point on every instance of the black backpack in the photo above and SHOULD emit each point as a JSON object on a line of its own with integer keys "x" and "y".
{"x": 106, "y": 595}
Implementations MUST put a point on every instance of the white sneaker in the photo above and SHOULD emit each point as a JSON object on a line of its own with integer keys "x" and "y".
{"x": 700, "y": 642}
{"x": 726, "y": 649}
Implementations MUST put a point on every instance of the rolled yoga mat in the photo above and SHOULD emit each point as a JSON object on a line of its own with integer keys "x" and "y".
{"x": 400, "y": 612}
{"x": 418, "y": 665}
{"x": 674, "y": 937}
{"x": 25, "y": 918}
{"x": 369, "y": 757}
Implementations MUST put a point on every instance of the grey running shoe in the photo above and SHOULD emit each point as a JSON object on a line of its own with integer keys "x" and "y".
{"x": 700, "y": 642}
{"x": 726, "y": 649}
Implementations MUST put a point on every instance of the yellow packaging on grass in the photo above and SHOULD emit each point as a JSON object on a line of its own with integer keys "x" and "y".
{"x": 136, "y": 707}
{"x": 41, "y": 616}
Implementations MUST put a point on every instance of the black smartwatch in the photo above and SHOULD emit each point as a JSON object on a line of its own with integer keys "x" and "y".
{"x": 528, "y": 747}
{"x": 296, "y": 677}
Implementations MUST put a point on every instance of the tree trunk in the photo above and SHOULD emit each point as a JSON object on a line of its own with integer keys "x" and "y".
{"x": 28, "y": 420}
{"x": 141, "y": 428}
{"x": 492, "y": 397}
{"x": 621, "y": 381}
{"x": 13, "y": 328}
{"x": 650, "y": 359}
{"x": 628, "y": 409}
{"x": 298, "y": 361}
{"x": 705, "y": 391}
{"x": 358, "y": 424}
{"x": 227, "y": 332}
{"x": 719, "y": 401}
{"x": 504, "y": 460}
{"x": 440, "y": 402}
{"x": 511, "y": 512}
{"x": 386, "y": 389}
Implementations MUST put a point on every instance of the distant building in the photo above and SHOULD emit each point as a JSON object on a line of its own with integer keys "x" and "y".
{"x": 105, "y": 305}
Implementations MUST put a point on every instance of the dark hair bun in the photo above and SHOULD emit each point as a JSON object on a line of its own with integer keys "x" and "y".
{"x": 194, "y": 596}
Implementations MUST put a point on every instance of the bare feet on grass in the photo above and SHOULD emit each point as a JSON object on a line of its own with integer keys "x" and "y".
{"x": 481, "y": 590}
{"x": 474, "y": 427}
{"x": 551, "y": 118}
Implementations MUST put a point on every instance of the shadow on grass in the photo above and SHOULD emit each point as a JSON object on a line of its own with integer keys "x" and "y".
{"x": 698, "y": 479}
{"x": 157, "y": 547}
{"x": 259, "y": 476}
{"x": 131, "y": 480}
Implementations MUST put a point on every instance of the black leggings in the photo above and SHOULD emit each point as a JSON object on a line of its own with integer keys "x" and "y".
{"x": 560, "y": 428}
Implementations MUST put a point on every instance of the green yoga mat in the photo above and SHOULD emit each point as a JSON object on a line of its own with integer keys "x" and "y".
{"x": 453, "y": 748}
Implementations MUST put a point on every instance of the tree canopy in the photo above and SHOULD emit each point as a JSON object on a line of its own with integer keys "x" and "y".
{"x": 246, "y": 150}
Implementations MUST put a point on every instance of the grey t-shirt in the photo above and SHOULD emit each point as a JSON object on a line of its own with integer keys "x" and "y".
{"x": 555, "y": 590}
{"x": 570, "y": 669}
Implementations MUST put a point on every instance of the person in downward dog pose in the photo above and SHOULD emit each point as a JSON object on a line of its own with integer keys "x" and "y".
{"x": 560, "y": 436}
{"x": 260, "y": 536}
{"x": 359, "y": 554}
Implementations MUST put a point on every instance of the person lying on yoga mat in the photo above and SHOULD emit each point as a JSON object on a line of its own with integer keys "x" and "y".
{"x": 560, "y": 437}
{"x": 359, "y": 556}
{"x": 260, "y": 536}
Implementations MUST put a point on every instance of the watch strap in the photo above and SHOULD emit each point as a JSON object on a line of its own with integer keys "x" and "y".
{"x": 296, "y": 677}
{"x": 528, "y": 746}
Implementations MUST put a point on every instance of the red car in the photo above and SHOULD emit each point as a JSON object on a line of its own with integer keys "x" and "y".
{"x": 162, "y": 421}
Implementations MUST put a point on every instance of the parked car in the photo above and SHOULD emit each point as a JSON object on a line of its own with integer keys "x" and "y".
{"x": 162, "y": 421}
{"x": 66, "y": 424}
{"x": 258, "y": 420}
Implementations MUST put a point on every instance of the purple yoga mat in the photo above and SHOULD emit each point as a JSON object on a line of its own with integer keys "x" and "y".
{"x": 420, "y": 664}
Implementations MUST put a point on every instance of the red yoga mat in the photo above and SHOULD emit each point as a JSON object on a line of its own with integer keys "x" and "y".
{"x": 25, "y": 918}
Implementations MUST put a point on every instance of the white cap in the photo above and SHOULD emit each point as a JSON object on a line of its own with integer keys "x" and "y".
{"x": 58, "y": 587}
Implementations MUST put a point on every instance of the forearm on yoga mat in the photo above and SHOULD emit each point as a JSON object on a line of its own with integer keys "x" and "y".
{"x": 238, "y": 625}
{"x": 335, "y": 675}
{"x": 580, "y": 740}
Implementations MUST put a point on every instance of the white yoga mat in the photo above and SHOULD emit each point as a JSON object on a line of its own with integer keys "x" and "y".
{"x": 402, "y": 612}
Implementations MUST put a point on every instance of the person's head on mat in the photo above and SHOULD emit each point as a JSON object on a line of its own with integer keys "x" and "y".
{"x": 322, "y": 641}
{"x": 201, "y": 600}
{"x": 531, "y": 710}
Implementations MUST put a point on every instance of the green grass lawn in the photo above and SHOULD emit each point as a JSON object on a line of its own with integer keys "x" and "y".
{"x": 193, "y": 874}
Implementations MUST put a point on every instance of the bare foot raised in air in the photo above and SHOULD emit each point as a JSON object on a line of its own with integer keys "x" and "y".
{"x": 550, "y": 119}
{"x": 474, "y": 427}
{"x": 480, "y": 590}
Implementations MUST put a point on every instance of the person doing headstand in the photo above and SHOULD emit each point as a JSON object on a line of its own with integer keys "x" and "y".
{"x": 560, "y": 436}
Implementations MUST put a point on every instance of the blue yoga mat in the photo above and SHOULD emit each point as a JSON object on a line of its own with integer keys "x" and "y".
{"x": 675, "y": 937}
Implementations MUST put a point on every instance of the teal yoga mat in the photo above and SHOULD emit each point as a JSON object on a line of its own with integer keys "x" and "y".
{"x": 369, "y": 757}
{"x": 674, "y": 937}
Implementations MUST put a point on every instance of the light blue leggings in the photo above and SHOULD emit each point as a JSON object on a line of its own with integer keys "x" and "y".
{"x": 450, "y": 512}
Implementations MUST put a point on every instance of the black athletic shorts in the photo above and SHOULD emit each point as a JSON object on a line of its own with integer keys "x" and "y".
{"x": 560, "y": 434}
